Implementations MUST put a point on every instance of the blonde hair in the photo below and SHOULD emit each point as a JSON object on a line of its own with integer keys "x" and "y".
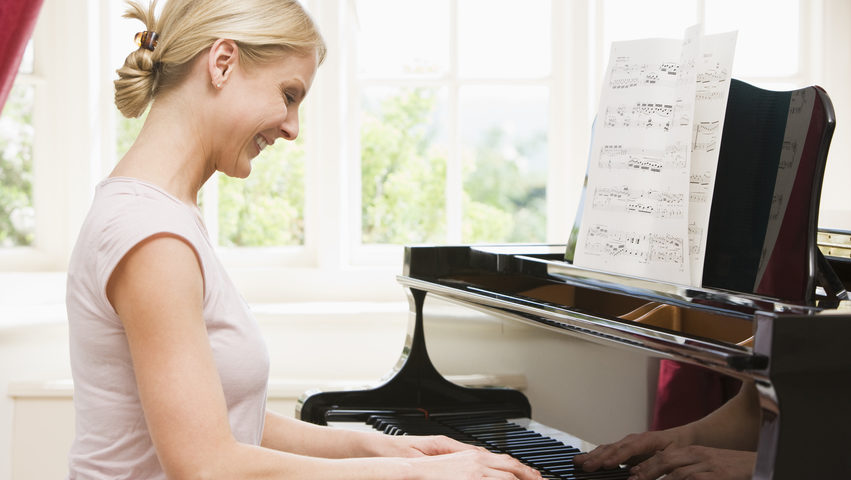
{"x": 263, "y": 30}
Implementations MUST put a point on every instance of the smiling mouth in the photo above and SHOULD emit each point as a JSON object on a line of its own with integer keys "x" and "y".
{"x": 260, "y": 142}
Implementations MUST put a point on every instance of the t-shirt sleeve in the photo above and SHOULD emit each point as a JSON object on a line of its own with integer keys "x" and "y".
{"x": 128, "y": 222}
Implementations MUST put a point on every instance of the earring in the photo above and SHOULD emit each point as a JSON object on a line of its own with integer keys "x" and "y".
{"x": 219, "y": 85}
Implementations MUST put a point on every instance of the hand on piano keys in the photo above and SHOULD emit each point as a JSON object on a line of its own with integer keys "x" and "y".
{"x": 441, "y": 457}
{"x": 475, "y": 463}
{"x": 548, "y": 452}
{"x": 654, "y": 454}
{"x": 720, "y": 446}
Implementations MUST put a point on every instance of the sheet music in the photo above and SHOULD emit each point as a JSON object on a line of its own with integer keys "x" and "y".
{"x": 651, "y": 169}
{"x": 712, "y": 89}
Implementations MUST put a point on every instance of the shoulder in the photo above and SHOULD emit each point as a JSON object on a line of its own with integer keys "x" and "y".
{"x": 127, "y": 203}
{"x": 126, "y": 213}
{"x": 160, "y": 268}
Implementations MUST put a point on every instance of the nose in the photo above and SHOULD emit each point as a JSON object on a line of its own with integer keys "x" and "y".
{"x": 289, "y": 127}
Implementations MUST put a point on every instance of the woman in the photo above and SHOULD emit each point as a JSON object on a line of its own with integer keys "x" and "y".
{"x": 719, "y": 446}
{"x": 169, "y": 367}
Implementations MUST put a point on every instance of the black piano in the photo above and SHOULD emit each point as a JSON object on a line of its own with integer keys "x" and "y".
{"x": 773, "y": 308}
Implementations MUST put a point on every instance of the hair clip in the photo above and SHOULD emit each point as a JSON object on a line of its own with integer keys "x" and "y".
{"x": 147, "y": 40}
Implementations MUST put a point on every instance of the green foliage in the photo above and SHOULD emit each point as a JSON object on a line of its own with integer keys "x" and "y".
{"x": 503, "y": 200}
{"x": 403, "y": 178}
{"x": 17, "y": 216}
{"x": 267, "y": 208}
{"x": 128, "y": 130}
{"x": 403, "y": 174}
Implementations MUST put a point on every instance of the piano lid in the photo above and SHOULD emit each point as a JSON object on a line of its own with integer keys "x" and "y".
{"x": 711, "y": 298}
{"x": 546, "y": 262}
{"x": 505, "y": 282}
{"x": 708, "y": 326}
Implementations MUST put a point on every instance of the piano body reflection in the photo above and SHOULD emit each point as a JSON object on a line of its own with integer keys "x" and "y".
{"x": 773, "y": 309}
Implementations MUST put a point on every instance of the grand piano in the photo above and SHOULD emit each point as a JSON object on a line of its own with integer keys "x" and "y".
{"x": 773, "y": 308}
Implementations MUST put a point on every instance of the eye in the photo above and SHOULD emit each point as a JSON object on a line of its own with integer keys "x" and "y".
{"x": 288, "y": 96}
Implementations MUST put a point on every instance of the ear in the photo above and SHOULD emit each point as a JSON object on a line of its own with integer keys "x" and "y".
{"x": 221, "y": 60}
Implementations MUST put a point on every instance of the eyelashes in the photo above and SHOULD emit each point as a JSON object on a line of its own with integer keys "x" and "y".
{"x": 288, "y": 96}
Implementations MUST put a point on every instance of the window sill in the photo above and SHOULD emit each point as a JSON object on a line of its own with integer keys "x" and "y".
{"x": 31, "y": 298}
{"x": 279, "y": 388}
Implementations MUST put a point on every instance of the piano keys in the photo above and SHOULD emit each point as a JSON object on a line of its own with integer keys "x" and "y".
{"x": 546, "y": 449}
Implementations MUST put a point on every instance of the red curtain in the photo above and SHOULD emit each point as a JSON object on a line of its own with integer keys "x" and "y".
{"x": 17, "y": 20}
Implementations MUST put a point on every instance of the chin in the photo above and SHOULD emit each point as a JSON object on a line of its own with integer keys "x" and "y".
{"x": 242, "y": 173}
{"x": 241, "y": 169}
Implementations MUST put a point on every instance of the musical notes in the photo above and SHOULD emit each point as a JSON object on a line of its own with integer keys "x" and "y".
{"x": 683, "y": 111}
{"x": 641, "y": 115}
{"x": 654, "y": 203}
{"x": 707, "y": 136}
{"x": 702, "y": 179}
{"x": 643, "y": 248}
{"x": 696, "y": 197}
{"x": 695, "y": 238}
{"x": 644, "y": 209}
{"x": 712, "y": 81}
{"x": 713, "y": 74}
{"x": 616, "y": 157}
{"x": 627, "y": 74}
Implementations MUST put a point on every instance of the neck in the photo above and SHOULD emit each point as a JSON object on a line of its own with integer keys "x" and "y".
{"x": 170, "y": 151}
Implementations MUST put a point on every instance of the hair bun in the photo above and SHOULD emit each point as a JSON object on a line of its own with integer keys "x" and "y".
{"x": 136, "y": 83}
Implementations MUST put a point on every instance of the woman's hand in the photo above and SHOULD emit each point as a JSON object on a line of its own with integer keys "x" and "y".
{"x": 420, "y": 445}
{"x": 440, "y": 457}
{"x": 472, "y": 464}
{"x": 631, "y": 450}
{"x": 696, "y": 463}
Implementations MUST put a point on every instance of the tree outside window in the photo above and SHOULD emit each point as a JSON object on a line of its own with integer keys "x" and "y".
{"x": 17, "y": 215}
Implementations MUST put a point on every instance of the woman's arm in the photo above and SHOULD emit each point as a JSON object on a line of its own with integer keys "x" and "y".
{"x": 734, "y": 425}
{"x": 295, "y": 436}
{"x": 157, "y": 291}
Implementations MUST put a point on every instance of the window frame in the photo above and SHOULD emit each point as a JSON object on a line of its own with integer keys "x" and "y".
{"x": 62, "y": 179}
{"x": 75, "y": 124}
{"x": 564, "y": 178}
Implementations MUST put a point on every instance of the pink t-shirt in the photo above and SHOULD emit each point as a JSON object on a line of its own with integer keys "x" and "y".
{"x": 111, "y": 439}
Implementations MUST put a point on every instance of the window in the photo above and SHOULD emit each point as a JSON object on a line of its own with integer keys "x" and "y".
{"x": 437, "y": 121}
{"x": 768, "y": 53}
{"x": 17, "y": 214}
{"x": 453, "y": 120}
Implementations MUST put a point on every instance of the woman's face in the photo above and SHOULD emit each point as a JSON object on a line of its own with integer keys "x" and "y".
{"x": 261, "y": 105}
